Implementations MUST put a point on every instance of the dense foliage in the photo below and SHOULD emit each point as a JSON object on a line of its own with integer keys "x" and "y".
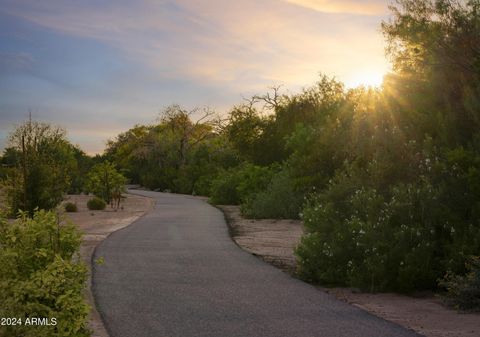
{"x": 386, "y": 180}
{"x": 238, "y": 184}
{"x": 105, "y": 182}
{"x": 41, "y": 276}
{"x": 176, "y": 155}
{"x": 403, "y": 208}
{"x": 278, "y": 199}
{"x": 39, "y": 162}
{"x": 464, "y": 291}
{"x": 40, "y": 166}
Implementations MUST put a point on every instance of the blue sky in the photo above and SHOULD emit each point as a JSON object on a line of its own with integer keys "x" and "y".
{"x": 99, "y": 67}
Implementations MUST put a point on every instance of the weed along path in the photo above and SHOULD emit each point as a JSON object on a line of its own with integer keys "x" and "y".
{"x": 175, "y": 272}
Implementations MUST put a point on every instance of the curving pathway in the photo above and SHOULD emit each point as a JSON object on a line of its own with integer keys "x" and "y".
{"x": 176, "y": 273}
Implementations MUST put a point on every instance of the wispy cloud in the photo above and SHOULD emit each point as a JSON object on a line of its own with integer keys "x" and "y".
{"x": 10, "y": 62}
{"x": 365, "y": 7}
{"x": 216, "y": 41}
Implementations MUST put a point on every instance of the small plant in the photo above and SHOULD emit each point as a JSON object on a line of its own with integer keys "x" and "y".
{"x": 463, "y": 292}
{"x": 96, "y": 204}
{"x": 100, "y": 261}
{"x": 71, "y": 207}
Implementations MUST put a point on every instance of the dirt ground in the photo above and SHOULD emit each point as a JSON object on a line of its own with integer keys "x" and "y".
{"x": 96, "y": 226}
{"x": 274, "y": 241}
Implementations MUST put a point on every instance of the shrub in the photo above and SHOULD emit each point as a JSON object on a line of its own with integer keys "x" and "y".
{"x": 224, "y": 189}
{"x": 71, "y": 207}
{"x": 278, "y": 200}
{"x": 106, "y": 182}
{"x": 203, "y": 186}
{"x": 463, "y": 292}
{"x": 231, "y": 187}
{"x": 42, "y": 276}
{"x": 403, "y": 239}
{"x": 96, "y": 204}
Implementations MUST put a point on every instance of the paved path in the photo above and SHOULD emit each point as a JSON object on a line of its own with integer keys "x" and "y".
{"x": 176, "y": 273}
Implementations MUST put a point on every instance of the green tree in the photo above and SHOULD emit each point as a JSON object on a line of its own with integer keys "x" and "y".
{"x": 174, "y": 154}
{"x": 434, "y": 50}
{"x": 244, "y": 130}
{"x": 83, "y": 164}
{"x": 106, "y": 182}
{"x": 42, "y": 160}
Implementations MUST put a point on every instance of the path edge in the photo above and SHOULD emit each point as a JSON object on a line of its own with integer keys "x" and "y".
{"x": 102, "y": 329}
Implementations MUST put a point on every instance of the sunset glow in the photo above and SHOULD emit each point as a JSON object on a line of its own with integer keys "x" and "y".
{"x": 98, "y": 67}
{"x": 368, "y": 78}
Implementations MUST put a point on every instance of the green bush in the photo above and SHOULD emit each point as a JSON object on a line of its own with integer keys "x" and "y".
{"x": 234, "y": 186}
{"x": 42, "y": 276}
{"x": 463, "y": 292}
{"x": 224, "y": 189}
{"x": 278, "y": 200}
{"x": 203, "y": 186}
{"x": 105, "y": 182}
{"x": 96, "y": 204}
{"x": 403, "y": 239}
{"x": 70, "y": 207}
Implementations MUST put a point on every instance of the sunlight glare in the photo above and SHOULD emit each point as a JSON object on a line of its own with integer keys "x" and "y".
{"x": 366, "y": 78}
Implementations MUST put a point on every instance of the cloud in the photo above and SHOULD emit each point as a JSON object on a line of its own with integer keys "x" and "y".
{"x": 365, "y": 7}
{"x": 12, "y": 62}
{"x": 240, "y": 44}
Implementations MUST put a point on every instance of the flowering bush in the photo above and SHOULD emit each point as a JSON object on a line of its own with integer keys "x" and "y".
{"x": 402, "y": 239}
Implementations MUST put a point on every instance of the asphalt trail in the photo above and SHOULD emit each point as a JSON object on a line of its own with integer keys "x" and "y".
{"x": 176, "y": 273}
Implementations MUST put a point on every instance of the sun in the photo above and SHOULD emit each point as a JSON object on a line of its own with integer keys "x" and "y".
{"x": 367, "y": 78}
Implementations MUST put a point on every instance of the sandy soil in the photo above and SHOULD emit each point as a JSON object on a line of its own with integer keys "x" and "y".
{"x": 274, "y": 241}
{"x": 96, "y": 226}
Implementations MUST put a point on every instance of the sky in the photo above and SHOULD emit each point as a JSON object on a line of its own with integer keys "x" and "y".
{"x": 98, "y": 67}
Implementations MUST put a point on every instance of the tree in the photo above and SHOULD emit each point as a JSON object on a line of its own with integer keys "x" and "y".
{"x": 106, "y": 182}
{"x": 8, "y": 161}
{"x": 83, "y": 164}
{"x": 166, "y": 156}
{"x": 129, "y": 151}
{"x": 434, "y": 47}
{"x": 184, "y": 132}
{"x": 42, "y": 159}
